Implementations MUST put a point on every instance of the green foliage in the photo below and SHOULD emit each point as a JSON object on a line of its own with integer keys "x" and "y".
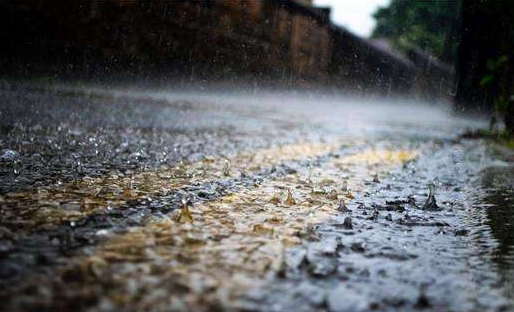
{"x": 501, "y": 104}
{"x": 494, "y": 65}
{"x": 428, "y": 25}
{"x": 501, "y": 137}
{"x": 492, "y": 79}
{"x": 494, "y": 68}
{"x": 486, "y": 65}
{"x": 486, "y": 80}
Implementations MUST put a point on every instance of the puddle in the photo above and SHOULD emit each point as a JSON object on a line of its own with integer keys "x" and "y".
{"x": 496, "y": 202}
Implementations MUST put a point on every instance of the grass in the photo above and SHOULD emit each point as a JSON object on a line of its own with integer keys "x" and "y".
{"x": 504, "y": 138}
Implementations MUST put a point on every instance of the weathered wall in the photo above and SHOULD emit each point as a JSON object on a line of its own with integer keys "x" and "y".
{"x": 213, "y": 39}
{"x": 261, "y": 37}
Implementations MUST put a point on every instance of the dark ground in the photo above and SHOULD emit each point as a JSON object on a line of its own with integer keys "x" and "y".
{"x": 92, "y": 185}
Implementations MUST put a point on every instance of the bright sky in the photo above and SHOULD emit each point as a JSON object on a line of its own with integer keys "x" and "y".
{"x": 355, "y": 15}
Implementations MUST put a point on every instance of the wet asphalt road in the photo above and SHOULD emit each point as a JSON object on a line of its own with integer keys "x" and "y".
{"x": 133, "y": 199}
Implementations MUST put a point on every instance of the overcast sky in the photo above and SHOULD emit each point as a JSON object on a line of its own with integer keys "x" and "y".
{"x": 355, "y": 15}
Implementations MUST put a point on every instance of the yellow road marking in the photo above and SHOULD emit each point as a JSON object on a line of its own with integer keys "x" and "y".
{"x": 52, "y": 205}
{"x": 231, "y": 244}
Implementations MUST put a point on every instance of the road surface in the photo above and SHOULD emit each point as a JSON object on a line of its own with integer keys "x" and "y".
{"x": 193, "y": 200}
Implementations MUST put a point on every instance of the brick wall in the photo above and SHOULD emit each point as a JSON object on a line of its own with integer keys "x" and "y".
{"x": 263, "y": 37}
{"x": 213, "y": 39}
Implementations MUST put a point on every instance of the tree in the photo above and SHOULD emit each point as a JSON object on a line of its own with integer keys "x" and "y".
{"x": 486, "y": 63}
{"x": 429, "y": 25}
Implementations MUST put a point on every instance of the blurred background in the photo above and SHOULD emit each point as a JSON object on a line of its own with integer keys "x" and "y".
{"x": 441, "y": 50}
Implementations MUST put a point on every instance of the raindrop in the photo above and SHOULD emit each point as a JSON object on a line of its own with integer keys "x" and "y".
{"x": 342, "y": 207}
{"x": 290, "y": 199}
{"x": 332, "y": 195}
{"x": 437, "y": 184}
{"x": 412, "y": 201}
{"x": 375, "y": 214}
{"x": 348, "y": 223}
{"x": 184, "y": 201}
{"x": 226, "y": 168}
{"x": 7, "y": 155}
{"x": 184, "y": 215}
{"x": 344, "y": 188}
{"x": 430, "y": 203}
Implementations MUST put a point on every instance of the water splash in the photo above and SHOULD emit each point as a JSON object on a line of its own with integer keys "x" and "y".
{"x": 431, "y": 203}
{"x": 290, "y": 199}
{"x": 9, "y": 156}
{"x": 348, "y": 223}
{"x": 342, "y": 207}
{"x": 344, "y": 187}
{"x": 185, "y": 215}
{"x": 226, "y": 168}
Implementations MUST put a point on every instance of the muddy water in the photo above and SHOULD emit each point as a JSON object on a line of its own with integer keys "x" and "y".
{"x": 161, "y": 200}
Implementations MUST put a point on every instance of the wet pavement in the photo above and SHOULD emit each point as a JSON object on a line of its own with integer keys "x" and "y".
{"x": 179, "y": 200}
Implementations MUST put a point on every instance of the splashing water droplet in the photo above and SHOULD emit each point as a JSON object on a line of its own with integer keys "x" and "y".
{"x": 332, "y": 195}
{"x": 226, "y": 168}
{"x": 8, "y": 155}
{"x": 437, "y": 184}
{"x": 348, "y": 223}
{"x": 342, "y": 206}
{"x": 290, "y": 199}
{"x": 431, "y": 203}
{"x": 185, "y": 215}
{"x": 344, "y": 188}
{"x": 431, "y": 189}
